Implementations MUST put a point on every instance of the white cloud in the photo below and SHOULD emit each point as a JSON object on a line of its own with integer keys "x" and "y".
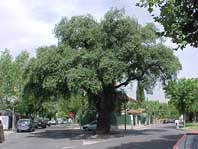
{"x": 19, "y": 30}
{"x": 29, "y": 24}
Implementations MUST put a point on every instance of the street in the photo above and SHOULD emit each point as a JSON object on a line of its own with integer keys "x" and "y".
{"x": 64, "y": 137}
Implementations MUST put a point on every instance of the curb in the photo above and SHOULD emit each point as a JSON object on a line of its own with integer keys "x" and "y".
{"x": 6, "y": 133}
{"x": 146, "y": 127}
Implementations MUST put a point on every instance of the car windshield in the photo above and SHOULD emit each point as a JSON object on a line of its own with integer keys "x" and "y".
{"x": 23, "y": 121}
{"x": 94, "y": 122}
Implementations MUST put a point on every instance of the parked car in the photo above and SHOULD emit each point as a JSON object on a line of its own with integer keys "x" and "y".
{"x": 52, "y": 122}
{"x": 165, "y": 121}
{"x": 179, "y": 123}
{"x": 46, "y": 120}
{"x": 25, "y": 125}
{"x": 40, "y": 123}
{"x": 60, "y": 120}
{"x": 171, "y": 121}
{"x": 65, "y": 121}
{"x": 91, "y": 126}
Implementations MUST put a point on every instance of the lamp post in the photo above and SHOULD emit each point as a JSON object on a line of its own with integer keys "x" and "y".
{"x": 12, "y": 101}
{"x": 13, "y": 118}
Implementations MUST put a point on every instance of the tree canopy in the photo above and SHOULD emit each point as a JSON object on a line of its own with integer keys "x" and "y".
{"x": 97, "y": 58}
{"x": 178, "y": 17}
{"x": 183, "y": 94}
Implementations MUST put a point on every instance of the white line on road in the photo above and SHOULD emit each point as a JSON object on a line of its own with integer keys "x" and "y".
{"x": 89, "y": 142}
{"x": 69, "y": 147}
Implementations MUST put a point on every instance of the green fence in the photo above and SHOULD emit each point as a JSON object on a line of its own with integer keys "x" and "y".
{"x": 118, "y": 119}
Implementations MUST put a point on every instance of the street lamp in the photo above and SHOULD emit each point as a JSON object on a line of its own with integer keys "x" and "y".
{"x": 12, "y": 101}
{"x": 13, "y": 118}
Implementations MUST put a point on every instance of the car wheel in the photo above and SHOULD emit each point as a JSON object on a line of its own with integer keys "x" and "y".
{"x": 19, "y": 130}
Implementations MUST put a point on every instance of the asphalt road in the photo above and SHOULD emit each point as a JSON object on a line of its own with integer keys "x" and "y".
{"x": 63, "y": 137}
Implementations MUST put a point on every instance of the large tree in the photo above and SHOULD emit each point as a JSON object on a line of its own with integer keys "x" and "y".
{"x": 178, "y": 17}
{"x": 97, "y": 58}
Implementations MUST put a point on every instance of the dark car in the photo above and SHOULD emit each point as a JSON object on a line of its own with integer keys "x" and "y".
{"x": 165, "y": 121}
{"x": 46, "y": 121}
{"x": 40, "y": 123}
{"x": 25, "y": 125}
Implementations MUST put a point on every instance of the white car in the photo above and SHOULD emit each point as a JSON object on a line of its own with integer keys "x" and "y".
{"x": 52, "y": 122}
{"x": 91, "y": 126}
{"x": 179, "y": 123}
{"x": 60, "y": 120}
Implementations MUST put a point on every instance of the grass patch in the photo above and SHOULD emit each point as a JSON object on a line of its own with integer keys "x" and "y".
{"x": 191, "y": 126}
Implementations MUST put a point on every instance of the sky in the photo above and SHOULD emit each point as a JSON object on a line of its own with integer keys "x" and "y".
{"x": 28, "y": 24}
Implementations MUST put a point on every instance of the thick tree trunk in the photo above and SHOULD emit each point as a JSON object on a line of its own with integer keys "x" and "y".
{"x": 105, "y": 108}
{"x": 104, "y": 121}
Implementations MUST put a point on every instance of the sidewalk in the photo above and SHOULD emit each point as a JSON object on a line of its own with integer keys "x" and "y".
{"x": 142, "y": 127}
{"x": 8, "y": 132}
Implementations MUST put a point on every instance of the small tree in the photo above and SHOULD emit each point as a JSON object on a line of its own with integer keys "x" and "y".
{"x": 183, "y": 94}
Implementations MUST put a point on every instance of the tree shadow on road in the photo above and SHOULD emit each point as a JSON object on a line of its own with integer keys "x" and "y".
{"x": 72, "y": 134}
{"x": 166, "y": 142}
{"x": 76, "y": 134}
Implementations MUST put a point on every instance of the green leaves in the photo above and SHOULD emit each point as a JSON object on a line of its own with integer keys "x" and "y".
{"x": 178, "y": 17}
{"x": 83, "y": 78}
{"x": 183, "y": 94}
{"x": 115, "y": 50}
{"x": 80, "y": 32}
{"x": 96, "y": 58}
{"x": 157, "y": 109}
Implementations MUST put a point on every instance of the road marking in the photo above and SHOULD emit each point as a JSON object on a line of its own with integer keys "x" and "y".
{"x": 69, "y": 147}
{"x": 97, "y": 141}
{"x": 90, "y": 142}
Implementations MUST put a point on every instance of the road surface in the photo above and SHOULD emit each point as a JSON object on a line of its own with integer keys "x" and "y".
{"x": 64, "y": 137}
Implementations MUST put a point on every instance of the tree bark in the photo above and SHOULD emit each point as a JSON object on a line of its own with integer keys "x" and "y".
{"x": 105, "y": 108}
